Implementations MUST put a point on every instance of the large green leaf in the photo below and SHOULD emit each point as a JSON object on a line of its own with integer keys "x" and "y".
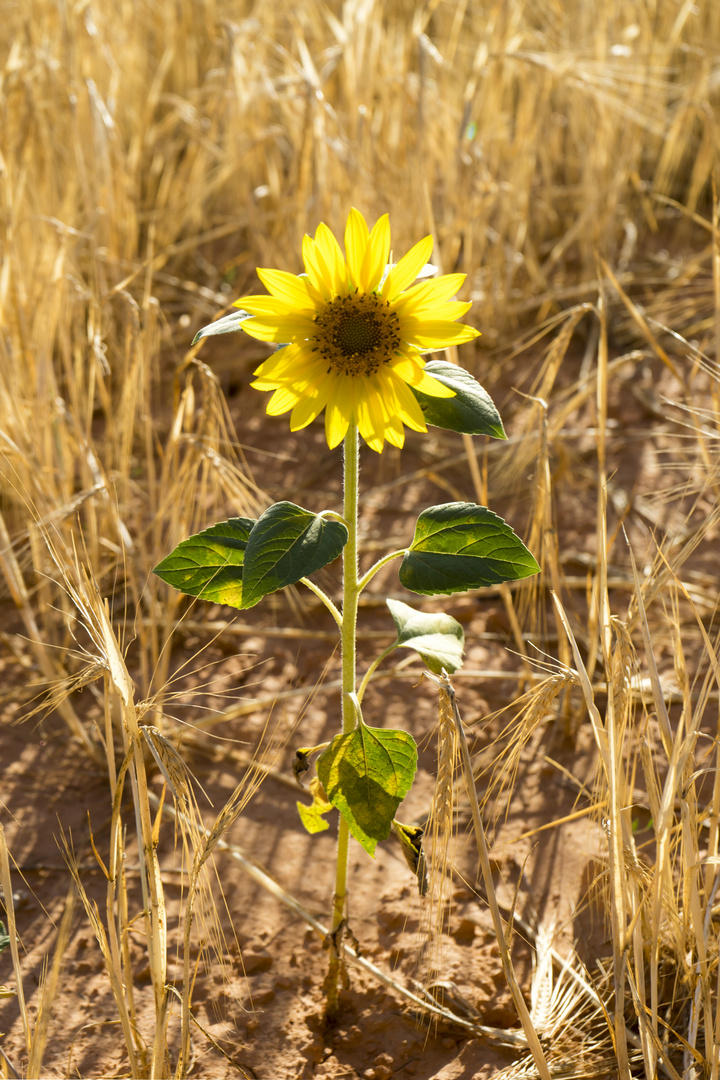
{"x": 459, "y": 546}
{"x": 471, "y": 411}
{"x": 437, "y": 637}
{"x": 210, "y": 563}
{"x": 288, "y": 543}
{"x": 366, "y": 773}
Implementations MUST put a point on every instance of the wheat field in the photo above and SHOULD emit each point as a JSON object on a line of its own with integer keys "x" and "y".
{"x": 564, "y": 156}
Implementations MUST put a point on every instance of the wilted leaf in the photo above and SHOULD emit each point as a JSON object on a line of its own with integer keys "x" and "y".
{"x": 437, "y": 637}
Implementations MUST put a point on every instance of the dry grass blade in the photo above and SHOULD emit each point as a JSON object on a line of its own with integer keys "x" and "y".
{"x": 16, "y": 584}
{"x": 89, "y": 603}
{"x": 171, "y": 765}
{"x": 133, "y": 1044}
{"x": 608, "y": 746}
{"x": 450, "y": 705}
{"x": 49, "y": 990}
{"x": 206, "y": 840}
{"x": 531, "y": 710}
{"x": 9, "y": 1069}
{"x": 8, "y": 901}
{"x": 439, "y": 831}
{"x": 640, "y": 320}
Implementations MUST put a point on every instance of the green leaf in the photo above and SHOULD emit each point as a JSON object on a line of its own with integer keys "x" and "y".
{"x": 4, "y": 937}
{"x": 471, "y": 411}
{"x": 459, "y": 546}
{"x": 210, "y": 563}
{"x": 239, "y": 561}
{"x": 366, "y": 774}
{"x": 286, "y": 544}
{"x": 437, "y": 637}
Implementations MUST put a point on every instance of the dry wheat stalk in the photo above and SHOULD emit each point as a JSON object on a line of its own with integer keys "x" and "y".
{"x": 439, "y": 831}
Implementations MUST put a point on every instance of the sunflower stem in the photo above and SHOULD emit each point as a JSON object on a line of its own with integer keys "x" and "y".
{"x": 373, "y": 667}
{"x": 351, "y": 592}
{"x": 378, "y": 566}
{"x": 324, "y": 598}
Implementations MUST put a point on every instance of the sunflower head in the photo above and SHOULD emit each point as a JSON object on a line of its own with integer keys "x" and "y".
{"x": 353, "y": 335}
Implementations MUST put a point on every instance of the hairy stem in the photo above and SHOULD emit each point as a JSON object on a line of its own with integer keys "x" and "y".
{"x": 324, "y": 598}
{"x": 351, "y": 591}
{"x": 378, "y": 566}
{"x": 373, "y": 667}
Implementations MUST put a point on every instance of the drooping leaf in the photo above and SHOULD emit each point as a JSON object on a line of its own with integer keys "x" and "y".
{"x": 312, "y": 816}
{"x": 366, "y": 774}
{"x": 470, "y": 412}
{"x": 411, "y": 841}
{"x": 286, "y": 544}
{"x": 437, "y": 637}
{"x": 210, "y": 563}
{"x": 300, "y": 763}
{"x": 459, "y": 546}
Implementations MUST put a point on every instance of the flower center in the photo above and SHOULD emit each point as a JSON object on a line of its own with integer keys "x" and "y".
{"x": 356, "y": 334}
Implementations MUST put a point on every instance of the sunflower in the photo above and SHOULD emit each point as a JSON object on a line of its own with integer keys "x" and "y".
{"x": 353, "y": 335}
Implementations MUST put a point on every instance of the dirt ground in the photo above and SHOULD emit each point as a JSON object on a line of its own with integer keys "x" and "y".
{"x": 260, "y": 1003}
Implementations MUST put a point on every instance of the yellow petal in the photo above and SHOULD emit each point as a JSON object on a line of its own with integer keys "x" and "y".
{"x": 336, "y": 425}
{"x": 282, "y": 400}
{"x": 395, "y": 433}
{"x": 279, "y": 328}
{"x": 328, "y": 247}
{"x": 407, "y": 269}
{"x": 339, "y": 410}
{"x": 356, "y": 239}
{"x": 376, "y": 256}
{"x": 264, "y": 384}
{"x": 424, "y": 293}
{"x": 310, "y": 406}
{"x": 436, "y": 333}
{"x": 315, "y": 270}
{"x": 413, "y": 373}
{"x": 319, "y": 300}
{"x": 261, "y": 305}
{"x": 375, "y": 443}
{"x": 282, "y": 361}
{"x": 261, "y": 330}
{"x": 287, "y": 287}
{"x": 301, "y": 380}
{"x": 446, "y": 310}
{"x": 370, "y": 414}
{"x": 372, "y": 435}
{"x": 407, "y": 408}
{"x": 388, "y": 407}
